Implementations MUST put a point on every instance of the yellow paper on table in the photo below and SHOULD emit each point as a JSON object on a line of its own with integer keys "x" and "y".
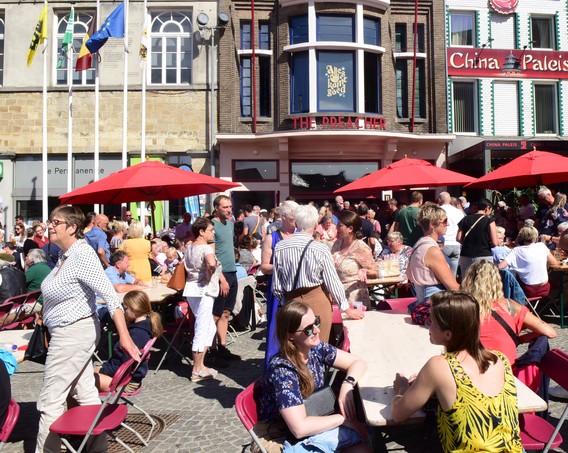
{"x": 389, "y": 268}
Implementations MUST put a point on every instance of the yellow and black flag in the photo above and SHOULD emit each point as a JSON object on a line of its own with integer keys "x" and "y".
{"x": 40, "y": 34}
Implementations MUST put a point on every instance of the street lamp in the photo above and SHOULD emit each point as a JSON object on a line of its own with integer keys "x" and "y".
{"x": 202, "y": 21}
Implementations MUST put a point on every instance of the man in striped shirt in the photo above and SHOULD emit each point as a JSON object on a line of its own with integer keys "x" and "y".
{"x": 311, "y": 278}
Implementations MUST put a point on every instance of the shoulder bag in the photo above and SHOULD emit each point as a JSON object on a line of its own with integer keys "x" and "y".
{"x": 177, "y": 281}
{"x": 321, "y": 402}
{"x": 38, "y": 344}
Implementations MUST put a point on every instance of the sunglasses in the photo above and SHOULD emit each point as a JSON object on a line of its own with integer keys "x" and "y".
{"x": 309, "y": 330}
{"x": 56, "y": 223}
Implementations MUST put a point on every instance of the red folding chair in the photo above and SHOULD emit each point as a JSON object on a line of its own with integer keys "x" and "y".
{"x": 537, "y": 433}
{"x": 97, "y": 419}
{"x": 245, "y": 405}
{"x": 10, "y": 422}
{"x": 17, "y": 311}
{"x": 126, "y": 395}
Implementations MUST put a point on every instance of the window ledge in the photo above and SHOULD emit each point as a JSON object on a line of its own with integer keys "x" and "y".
{"x": 259, "y": 119}
{"x": 248, "y": 52}
{"x": 409, "y": 120}
{"x": 408, "y": 55}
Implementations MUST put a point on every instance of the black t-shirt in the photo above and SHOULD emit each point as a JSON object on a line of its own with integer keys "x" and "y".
{"x": 478, "y": 240}
{"x": 367, "y": 230}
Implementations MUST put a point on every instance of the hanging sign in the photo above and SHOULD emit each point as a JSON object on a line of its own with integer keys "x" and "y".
{"x": 504, "y": 6}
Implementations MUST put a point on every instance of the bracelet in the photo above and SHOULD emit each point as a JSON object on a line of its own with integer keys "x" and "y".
{"x": 350, "y": 380}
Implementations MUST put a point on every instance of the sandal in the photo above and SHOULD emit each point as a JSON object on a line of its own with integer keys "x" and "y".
{"x": 205, "y": 373}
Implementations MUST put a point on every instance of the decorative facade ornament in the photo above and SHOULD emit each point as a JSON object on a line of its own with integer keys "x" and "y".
{"x": 504, "y": 6}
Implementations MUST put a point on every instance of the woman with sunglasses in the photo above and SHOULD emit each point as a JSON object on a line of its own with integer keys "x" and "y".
{"x": 475, "y": 388}
{"x": 293, "y": 374}
{"x": 19, "y": 236}
{"x": 428, "y": 269}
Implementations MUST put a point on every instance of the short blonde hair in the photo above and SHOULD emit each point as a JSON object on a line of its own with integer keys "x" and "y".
{"x": 501, "y": 230}
{"x": 430, "y": 213}
{"x": 136, "y": 230}
{"x": 395, "y": 236}
{"x": 528, "y": 234}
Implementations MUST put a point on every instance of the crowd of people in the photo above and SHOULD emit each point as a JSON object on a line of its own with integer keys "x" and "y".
{"x": 312, "y": 259}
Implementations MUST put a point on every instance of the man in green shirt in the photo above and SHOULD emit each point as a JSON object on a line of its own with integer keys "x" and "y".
{"x": 407, "y": 220}
{"x": 225, "y": 252}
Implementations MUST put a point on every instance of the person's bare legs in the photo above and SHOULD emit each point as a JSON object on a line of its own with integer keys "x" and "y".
{"x": 222, "y": 327}
{"x": 102, "y": 381}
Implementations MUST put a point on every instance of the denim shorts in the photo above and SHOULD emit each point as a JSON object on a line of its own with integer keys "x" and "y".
{"x": 327, "y": 442}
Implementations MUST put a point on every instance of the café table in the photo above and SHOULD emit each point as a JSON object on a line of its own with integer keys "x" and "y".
{"x": 375, "y": 285}
{"x": 390, "y": 344}
{"x": 20, "y": 338}
{"x": 561, "y": 269}
{"x": 157, "y": 294}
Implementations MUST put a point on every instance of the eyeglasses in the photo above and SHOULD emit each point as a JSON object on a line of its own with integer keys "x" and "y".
{"x": 56, "y": 223}
{"x": 309, "y": 330}
{"x": 444, "y": 222}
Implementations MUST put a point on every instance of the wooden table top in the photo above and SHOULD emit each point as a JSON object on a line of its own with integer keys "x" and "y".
{"x": 19, "y": 337}
{"x": 157, "y": 294}
{"x": 385, "y": 281}
{"x": 390, "y": 344}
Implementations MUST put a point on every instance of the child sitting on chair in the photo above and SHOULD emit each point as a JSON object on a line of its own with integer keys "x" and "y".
{"x": 143, "y": 324}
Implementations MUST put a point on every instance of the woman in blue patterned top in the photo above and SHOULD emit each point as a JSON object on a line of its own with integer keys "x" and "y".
{"x": 293, "y": 375}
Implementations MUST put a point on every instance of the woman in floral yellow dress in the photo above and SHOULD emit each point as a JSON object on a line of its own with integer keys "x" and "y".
{"x": 353, "y": 258}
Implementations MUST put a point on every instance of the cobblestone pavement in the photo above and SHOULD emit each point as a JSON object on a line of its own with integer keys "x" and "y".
{"x": 207, "y": 421}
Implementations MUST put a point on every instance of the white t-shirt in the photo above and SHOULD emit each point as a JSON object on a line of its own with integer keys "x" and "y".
{"x": 454, "y": 216}
{"x": 529, "y": 262}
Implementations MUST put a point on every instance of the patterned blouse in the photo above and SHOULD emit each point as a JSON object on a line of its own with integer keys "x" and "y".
{"x": 347, "y": 264}
{"x": 477, "y": 422}
{"x": 279, "y": 388}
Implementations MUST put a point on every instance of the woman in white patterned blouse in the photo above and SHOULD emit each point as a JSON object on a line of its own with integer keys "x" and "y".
{"x": 69, "y": 313}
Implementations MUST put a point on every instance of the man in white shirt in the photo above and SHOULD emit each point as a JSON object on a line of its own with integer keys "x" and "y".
{"x": 452, "y": 248}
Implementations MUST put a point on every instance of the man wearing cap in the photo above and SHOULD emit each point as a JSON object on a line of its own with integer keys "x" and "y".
{"x": 12, "y": 280}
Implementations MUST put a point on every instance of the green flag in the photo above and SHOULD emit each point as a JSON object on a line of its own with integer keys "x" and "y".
{"x": 67, "y": 39}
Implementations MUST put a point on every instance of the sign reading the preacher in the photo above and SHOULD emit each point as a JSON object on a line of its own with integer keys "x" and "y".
{"x": 339, "y": 122}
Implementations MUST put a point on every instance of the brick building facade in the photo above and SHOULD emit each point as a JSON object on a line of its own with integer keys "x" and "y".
{"x": 330, "y": 98}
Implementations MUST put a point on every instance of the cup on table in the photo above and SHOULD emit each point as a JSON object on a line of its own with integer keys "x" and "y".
{"x": 155, "y": 281}
{"x": 358, "y": 305}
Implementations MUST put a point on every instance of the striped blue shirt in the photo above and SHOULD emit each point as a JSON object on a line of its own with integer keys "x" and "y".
{"x": 317, "y": 268}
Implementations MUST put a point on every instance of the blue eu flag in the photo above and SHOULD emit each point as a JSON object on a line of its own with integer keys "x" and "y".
{"x": 113, "y": 27}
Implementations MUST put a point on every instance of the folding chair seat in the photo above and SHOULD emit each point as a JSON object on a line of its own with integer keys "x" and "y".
{"x": 97, "y": 419}
{"x": 125, "y": 396}
{"x": 537, "y": 433}
{"x": 245, "y": 406}
{"x": 10, "y": 422}
{"x": 181, "y": 328}
{"x": 534, "y": 302}
{"x": 13, "y": 310}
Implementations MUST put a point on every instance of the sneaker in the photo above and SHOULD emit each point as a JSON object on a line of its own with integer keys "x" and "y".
{"x": 205, "y": 373}
{"x": 224, "y": 353}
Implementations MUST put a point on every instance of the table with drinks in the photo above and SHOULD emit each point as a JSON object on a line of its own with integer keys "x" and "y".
{"x": 16, "y": 341}
{"x": 390, "y": 343}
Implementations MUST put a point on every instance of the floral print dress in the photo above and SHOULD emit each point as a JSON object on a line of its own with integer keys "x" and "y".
{"x": 347, "y": 263}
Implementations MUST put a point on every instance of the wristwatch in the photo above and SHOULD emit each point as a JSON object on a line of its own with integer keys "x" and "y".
{"x": 350, "y": 380}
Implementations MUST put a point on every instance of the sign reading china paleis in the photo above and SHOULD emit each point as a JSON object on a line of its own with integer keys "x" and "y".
{"x": 534, "y": 64}
{"x": 339, "y": 122}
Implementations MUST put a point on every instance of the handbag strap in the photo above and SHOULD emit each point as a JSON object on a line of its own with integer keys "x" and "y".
{"x": 256, "y": 226}
{"x": 506, "y": 326}
{"x": 300, "y": 265}
{"x": 473, "y": 226}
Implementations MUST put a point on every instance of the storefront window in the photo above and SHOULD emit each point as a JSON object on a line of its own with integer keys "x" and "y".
{"x": 336, "y": 80}
{"x": 324, "y": 177}
{"x": 255, "y": 170}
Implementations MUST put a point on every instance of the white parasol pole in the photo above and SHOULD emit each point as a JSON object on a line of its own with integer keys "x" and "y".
{"x": 97, "y": 92}
{"x": 44, "y": 195}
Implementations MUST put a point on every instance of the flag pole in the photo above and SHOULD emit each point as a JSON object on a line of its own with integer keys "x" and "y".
{"x": 44, "y": 200}
{"x": 144, "y": 62}
{"x": 69, "y": 56}
{"x": 97, "y": 91}
{"x": 125, "y": 90}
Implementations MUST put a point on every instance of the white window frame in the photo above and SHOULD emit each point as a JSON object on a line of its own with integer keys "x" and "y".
{"x": 2, "y": 49}
{"x": 164, "y": 36}
{"x": 554, "y": 108}
{"x": 473, "y": 27}
{"x": 62, "y": 18}
{"x": 475, "y": 106}
{"x": 551, "y": 30}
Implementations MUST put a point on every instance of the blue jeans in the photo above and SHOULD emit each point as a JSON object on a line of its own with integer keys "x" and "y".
{"x": 452, "y": 253}
{"x": 327, "y": 442}
{"x": 423, "y": 293}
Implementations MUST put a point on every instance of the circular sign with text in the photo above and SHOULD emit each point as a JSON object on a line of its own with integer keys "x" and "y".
{"x": 504, "y": 6}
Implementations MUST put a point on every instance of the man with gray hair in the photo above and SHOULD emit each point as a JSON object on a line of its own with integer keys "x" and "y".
{"x": 304, "y": 271}
{"x": 452, "y": 247}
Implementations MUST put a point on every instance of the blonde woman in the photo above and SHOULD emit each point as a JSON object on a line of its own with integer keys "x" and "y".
{"x": 138, "y": 249}
{"x": 119, "y": 230}
{"x": 483, "y": 281}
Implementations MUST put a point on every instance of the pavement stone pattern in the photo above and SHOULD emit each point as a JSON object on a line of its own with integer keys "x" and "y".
{"x": 207, "y": 420}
